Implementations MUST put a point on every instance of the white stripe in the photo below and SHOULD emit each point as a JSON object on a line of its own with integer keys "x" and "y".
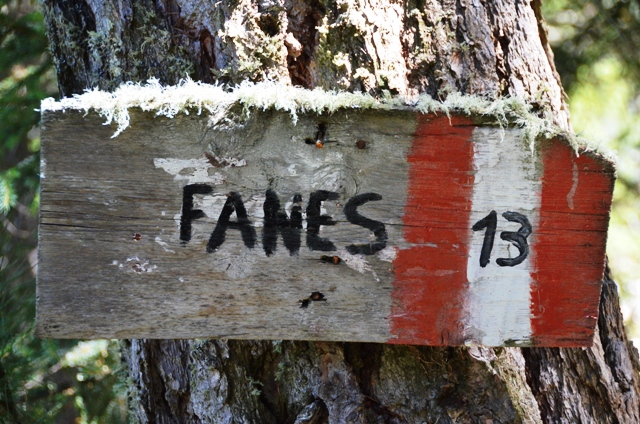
{"x": 506, "y": 179}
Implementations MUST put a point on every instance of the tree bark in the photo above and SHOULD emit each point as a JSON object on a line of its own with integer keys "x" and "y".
{"x": 490, "y": 48}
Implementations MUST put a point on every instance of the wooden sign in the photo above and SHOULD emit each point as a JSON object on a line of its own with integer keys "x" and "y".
{"x": 378, "y": 226}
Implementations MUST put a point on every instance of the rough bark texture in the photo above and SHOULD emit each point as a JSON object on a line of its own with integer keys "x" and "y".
{"x": 492, "y": 49}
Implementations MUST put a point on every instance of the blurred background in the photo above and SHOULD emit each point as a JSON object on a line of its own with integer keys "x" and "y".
{"x": 41, "y": 381}
{"x": 597, "y": 52}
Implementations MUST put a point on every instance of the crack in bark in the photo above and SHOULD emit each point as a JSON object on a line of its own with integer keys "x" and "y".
{"x": 365, "y": 360}
{"x": 202, "y": 39}
{"x": 68, "y": 25}
{"x": 303, "y": 19}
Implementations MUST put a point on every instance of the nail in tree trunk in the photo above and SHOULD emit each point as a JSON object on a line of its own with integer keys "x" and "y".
{"x": 492, "y": 49}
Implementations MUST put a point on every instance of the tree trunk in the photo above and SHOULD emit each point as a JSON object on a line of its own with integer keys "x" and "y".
{"x": 491, "y": 48}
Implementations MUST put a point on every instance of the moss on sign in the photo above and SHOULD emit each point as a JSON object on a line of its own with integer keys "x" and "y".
{"x": 219, "y": 101}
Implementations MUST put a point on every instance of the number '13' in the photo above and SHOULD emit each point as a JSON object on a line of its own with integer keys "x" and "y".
{"x": 517, "y": 238}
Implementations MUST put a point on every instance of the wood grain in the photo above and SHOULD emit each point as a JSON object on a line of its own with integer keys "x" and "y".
{"x": 115, "y": 261}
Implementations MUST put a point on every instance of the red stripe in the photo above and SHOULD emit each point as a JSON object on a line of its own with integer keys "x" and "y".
{"x": 430, "y": 282}
{"x": 569, "y": 248}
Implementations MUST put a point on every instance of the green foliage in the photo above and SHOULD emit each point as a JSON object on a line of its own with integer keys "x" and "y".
{"x": 40, "y": 380}
{"x": 583, "y": 32}
{"x": 25, "y": 78}
{"x": 596, "y": 45}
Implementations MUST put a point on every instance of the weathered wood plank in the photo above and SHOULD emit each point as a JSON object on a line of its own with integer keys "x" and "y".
{"x": 402, "y": 228}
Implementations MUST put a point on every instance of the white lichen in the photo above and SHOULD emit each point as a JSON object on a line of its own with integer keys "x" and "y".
{"x": 218, "y": 100}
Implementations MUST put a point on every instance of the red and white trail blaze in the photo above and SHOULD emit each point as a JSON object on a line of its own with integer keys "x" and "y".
{"x": 442, "y": 294}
